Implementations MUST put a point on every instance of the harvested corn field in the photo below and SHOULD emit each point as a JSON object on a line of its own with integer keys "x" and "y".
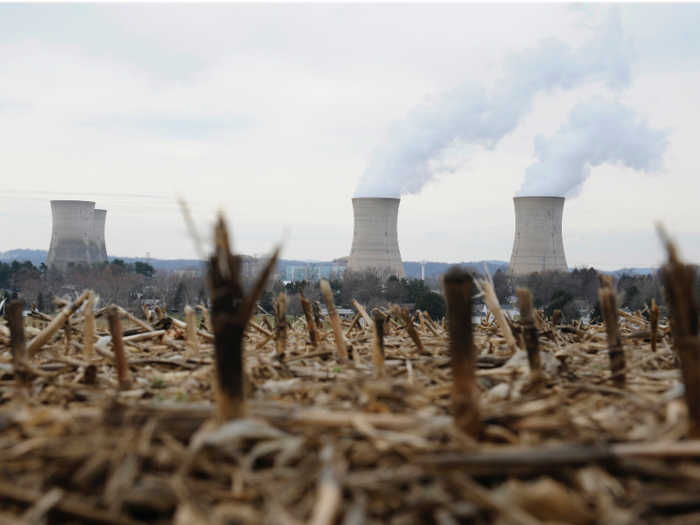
{"x": 388, "y": 418}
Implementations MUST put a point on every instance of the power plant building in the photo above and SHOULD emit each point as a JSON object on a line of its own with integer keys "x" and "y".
{"x": 375, "y": 242}
{"x": 313, "y": 273}
{"x": 538, "y": 244}
{"x": 77, "y": 234}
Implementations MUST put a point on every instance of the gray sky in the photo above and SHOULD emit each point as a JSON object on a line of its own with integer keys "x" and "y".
{"x": 273, "y": 112}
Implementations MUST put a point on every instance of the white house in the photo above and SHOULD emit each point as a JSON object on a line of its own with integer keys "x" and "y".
{"x": 508, "y": 310}
{"x": 478, "y": 316}
{"x": 344, "y": 313}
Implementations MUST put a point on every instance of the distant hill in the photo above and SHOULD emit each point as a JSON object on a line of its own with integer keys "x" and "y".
{"x": 35, "y": 256}
{"x": 633, "y": 271}
{"x": 413, "y": 269}
{"x": 39, "y": 256}
{"x": 433, "y": 269}
{"x": 162, "y": 264}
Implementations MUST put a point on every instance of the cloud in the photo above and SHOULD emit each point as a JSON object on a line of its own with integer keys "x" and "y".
{"x": 598, "y": 131}
{"x": 475, "y": 115}
{"x": 170, "y": 125}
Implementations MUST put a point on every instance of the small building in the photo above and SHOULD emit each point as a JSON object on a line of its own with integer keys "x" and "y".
{"x": 141, "y": 300}
{"x": 313, "y": 273}
{"x": 478, "y": 317}
{"x": 344, "y": 313}
{"x": 341, "y": 262}
{"x": 510, "y": 311}
{"x": 585, "y": 316}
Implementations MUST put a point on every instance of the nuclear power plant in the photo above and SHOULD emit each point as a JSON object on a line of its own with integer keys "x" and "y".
{"x": 538, "y": 244}
{"x": 78, "y": 233}
{"x": 375, "y": 242}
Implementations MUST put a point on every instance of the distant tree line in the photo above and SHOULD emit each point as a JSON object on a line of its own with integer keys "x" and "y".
{"x": 574, "y": 293}
{"x": 13, "y": 274}
{"x": 115, "y": 282}
{"x": 371, "y": 288}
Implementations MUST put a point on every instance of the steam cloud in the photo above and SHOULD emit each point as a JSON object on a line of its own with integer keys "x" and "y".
{"x": 598, "y": 131}
{"x": 474, "y": 114}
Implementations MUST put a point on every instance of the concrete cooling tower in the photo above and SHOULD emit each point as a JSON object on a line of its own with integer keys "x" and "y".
{"x": 375, "y": 242}
{"x": 538, "y": 244}
{"x": 98, "y": 227}
{"x": 75, "y": 238}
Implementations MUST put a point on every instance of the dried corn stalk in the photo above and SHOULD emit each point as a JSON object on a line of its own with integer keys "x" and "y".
{"x": 485, "y": 287}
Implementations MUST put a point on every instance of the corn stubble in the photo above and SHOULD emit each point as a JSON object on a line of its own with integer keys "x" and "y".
{"x": 423, "y": 421}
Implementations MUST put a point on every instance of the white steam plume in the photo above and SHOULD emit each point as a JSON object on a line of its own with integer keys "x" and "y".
{"x": 599, "y": 131}
{"x": 473, "y": 114}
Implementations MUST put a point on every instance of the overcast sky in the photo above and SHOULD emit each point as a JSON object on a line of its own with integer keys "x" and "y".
{"x": 272, "y": 113}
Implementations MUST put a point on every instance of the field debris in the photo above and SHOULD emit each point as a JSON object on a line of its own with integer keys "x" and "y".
{"x": 397, "y": 419}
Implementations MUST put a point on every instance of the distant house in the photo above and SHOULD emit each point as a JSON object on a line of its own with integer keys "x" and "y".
{"x": 3, "y": 302}
{"x": 478, "y": 316}
{"x": 585, "y": 312}
{"x": 585, "y": 316}
{"x": 68, "y": 293}
{"x": 510, "y": 311}
{"x": 140, "y": 301}
{"x": 345, "y": 313}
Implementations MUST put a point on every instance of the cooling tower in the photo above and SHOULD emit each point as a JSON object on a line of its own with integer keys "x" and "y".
{"x": 72, "y": 233}
{"x": 100, "y": 254}
{"x": 375, "y": 242}
{"x": 538, "y": 243}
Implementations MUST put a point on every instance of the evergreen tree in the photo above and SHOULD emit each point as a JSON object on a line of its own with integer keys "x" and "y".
{"x": 180, "y": 296}
{"x": 433, "y": 303}
{"x": 266, "y": 301}
{"x": 143, "y": 268}
{"x": 415, "y": 288}
{"x": 632, "y": 299}
{"x": 561, "y": 300}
